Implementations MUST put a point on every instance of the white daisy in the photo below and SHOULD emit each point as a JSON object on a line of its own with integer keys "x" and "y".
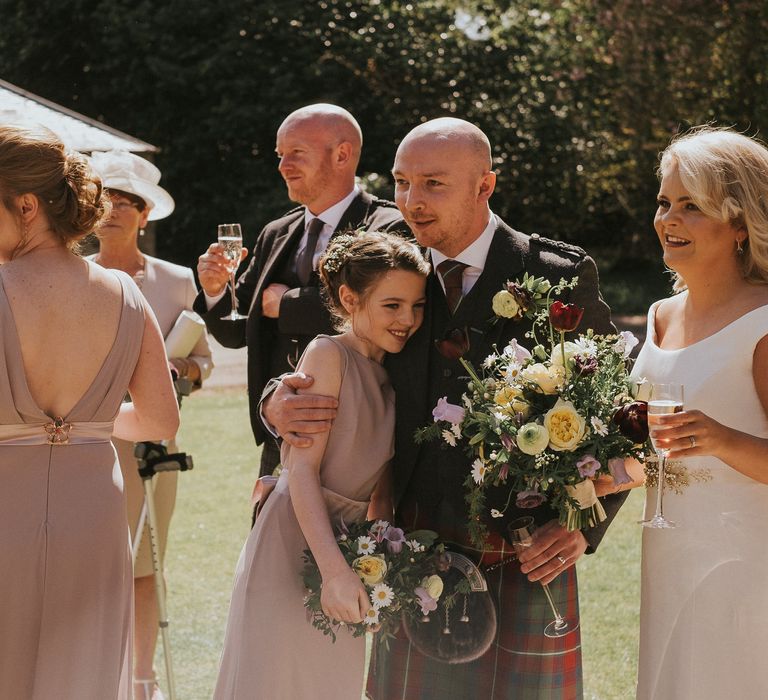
{"x": 585, "y": 347}
{"x": 415, "y": 545}
{"x": 365, "y": 545}
{"x": 598, "y": 426}
{"x": 456, "y": 430}
{"x": 478, "y": 471}
{"x": 488, "y": 361}
{"x": 449, "y": 437}
{"x": 371, "y": 617}
{"x": 382, "y": 596}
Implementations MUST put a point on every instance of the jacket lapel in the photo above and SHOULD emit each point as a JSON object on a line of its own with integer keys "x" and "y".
{"x": 285, "y": 242}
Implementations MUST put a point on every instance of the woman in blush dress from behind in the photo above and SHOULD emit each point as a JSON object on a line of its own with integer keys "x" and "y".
{"x": 703, "y": 631}
{"x": 73, "y": 338}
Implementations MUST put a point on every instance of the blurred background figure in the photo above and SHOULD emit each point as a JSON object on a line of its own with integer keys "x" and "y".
{"x": 131, "y": 183}
{"x": 73, "y": 339}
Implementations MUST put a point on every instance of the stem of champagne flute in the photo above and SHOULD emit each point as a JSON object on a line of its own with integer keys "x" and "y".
{"x": 660, "y": 485}
{"x": 559, "y": 622}
{"x": 232, "y": 291}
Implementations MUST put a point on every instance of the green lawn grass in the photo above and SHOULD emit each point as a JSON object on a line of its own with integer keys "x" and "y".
{"x": 212, "y": 521}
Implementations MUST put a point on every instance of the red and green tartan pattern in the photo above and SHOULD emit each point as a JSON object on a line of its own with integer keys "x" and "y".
{"x": 522, "y": 664}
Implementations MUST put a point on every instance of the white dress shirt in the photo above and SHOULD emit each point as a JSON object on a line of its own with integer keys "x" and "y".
{"x": 473, "y": 256}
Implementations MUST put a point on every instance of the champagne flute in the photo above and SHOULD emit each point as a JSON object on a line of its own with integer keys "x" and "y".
{"x": 520, "y": 533}
{"x": 665, "y": 399}
{"x": 231, "y": 241}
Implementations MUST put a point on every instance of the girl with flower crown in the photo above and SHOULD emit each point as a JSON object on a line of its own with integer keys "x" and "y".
{"x": 375, "y": 285}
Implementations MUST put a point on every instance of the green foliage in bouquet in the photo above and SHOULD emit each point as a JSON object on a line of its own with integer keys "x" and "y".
{"x": 398, "y": 570}
{"x": 543, "y": 424}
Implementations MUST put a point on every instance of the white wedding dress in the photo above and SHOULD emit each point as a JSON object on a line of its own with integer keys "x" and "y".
{"x": 704, "y": 606}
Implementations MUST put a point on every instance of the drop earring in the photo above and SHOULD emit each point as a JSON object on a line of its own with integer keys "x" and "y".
{"x": 141, "y": 231}
{"x": 739, "y": 248}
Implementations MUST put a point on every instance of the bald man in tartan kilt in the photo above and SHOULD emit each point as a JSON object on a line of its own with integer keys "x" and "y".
{"x": 443, "y": 182}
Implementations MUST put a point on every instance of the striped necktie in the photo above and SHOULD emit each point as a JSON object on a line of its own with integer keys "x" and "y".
{"x": 304, "y": 261}
{"x": 452, "y": 272}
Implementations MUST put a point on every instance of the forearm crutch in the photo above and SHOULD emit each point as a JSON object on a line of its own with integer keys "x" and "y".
{"x": 152, "y": 459}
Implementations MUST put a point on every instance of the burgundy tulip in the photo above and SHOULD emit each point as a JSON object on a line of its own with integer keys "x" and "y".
{"x": 455, "y": 344}
{"x": 565, "y": 317}
{"x": 632, "y": 420}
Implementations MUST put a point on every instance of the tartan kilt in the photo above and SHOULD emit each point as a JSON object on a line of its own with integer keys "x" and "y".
{"x": 522, "y": 664}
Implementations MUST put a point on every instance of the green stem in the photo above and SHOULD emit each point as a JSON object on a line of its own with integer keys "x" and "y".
{"x": 472, "y": 374}
{"x": 562, "y": 353}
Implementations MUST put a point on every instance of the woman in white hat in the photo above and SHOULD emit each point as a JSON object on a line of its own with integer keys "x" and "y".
{"x": 131, "y": 182}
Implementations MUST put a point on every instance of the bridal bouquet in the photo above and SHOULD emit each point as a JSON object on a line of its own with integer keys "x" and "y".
{"x": 397, "y": 569}
{"x": 543, "y": 424}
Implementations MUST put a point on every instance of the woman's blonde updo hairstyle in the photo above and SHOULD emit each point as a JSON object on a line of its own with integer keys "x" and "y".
{"x": 35, "y": 161}
{"x": 726, "y": 174}
{"x": 359, "y": 260}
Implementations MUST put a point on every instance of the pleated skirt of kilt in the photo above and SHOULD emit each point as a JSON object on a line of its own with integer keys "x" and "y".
{"x": 522, "y": 663}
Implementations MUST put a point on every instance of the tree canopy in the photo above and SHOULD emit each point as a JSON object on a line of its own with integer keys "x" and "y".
{"x": 577, "y": 96}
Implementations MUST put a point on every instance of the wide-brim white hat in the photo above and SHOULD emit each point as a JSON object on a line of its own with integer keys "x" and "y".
{"x": 127, "y": 172}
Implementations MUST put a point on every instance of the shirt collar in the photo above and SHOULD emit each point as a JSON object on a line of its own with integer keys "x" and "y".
{"x": 476, "y": 253}
{"x": 332, "y": 215}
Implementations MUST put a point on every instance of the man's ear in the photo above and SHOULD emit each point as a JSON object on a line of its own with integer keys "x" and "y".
{"x": 342, "y": 154}
{"x": 487, "y": 185}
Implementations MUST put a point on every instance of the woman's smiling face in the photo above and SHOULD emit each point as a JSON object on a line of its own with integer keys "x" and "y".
{"x": 687, "y": 235}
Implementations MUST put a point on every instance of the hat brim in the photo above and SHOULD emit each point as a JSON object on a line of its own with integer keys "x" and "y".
{"x": 161, "y": 203}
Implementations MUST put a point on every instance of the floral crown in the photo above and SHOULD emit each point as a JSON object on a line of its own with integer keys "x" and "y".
{"x": 338, "y": 253}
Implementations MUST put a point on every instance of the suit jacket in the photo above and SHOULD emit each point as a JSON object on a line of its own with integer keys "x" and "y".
{"x": 302, "y": 310}
{"x": 423, "y": 473}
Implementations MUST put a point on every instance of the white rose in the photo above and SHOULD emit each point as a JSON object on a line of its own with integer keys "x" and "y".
{"x": 557, "y": 352}
{"x": 548, "y": 379}
{"x": 504, "y": 305}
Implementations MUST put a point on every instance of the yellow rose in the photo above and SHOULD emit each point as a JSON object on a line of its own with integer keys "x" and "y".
{"x": 433, "y": 585}
{"x": 371, "y": 568}
{"x": 548, "y": 379}
{"x": 508, "y": 400}
{"x": 504, "y": 305}
{"x": 566, "y": 427}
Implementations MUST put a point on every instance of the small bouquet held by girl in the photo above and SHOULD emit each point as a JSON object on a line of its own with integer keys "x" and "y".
{"x": 544, "y": 424}
{"x": 397, "y": 569}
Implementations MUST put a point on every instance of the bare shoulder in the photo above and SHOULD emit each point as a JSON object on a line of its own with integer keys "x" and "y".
{"x": 323, "y": 360}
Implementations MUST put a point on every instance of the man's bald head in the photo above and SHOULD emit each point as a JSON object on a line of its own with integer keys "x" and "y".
{"x": 336, "y": 122}
{"x": 456, "y": 134}
{"x": 319, "y": 149}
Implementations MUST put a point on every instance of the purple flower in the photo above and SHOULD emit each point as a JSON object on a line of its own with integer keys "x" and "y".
{"x": 585, "y": 365}
{"x": 529, "y": 499}
{"x": 395, "y": 538}
{"x": 507, "y": 441}
{"x": 618, "y": 471}
{"x": 588, "y": 466}
{"x": 504, "y": 472}
{"x": 426, "y": 601}
{"x": 448, "y": 411}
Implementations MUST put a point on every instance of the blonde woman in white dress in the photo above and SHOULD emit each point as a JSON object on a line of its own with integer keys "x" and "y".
{"x": 704, "y": 610}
